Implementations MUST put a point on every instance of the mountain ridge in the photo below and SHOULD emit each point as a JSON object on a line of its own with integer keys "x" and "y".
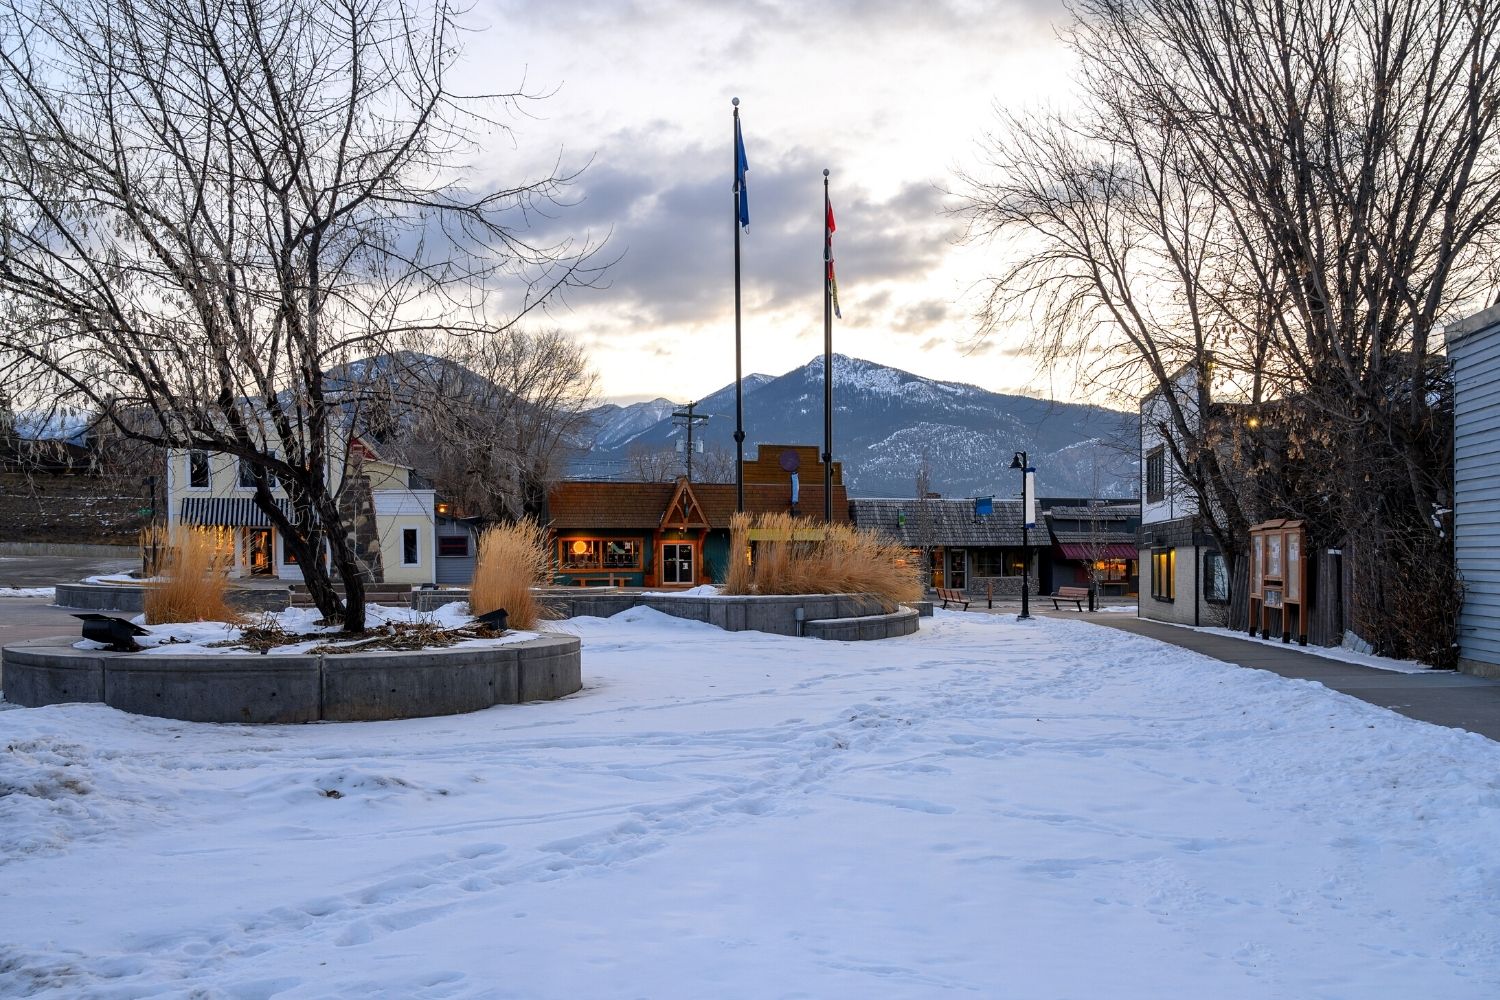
{"x": 887, "y": 421}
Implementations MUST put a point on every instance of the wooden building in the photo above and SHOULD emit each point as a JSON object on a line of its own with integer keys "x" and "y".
{"x": 676, "y": 535}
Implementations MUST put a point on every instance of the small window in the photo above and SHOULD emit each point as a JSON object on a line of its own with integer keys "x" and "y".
{"x": 410, "y": 554}
{"x": 1215, "y": 578}
{"x": 288, "y": 554}
{"x": 453, "y": 545}
{"x": 247, "y": 475}
{"x": 1164, "y": 574}
{"x": 1156, "y": 476}
{"x": 198, "y": 475}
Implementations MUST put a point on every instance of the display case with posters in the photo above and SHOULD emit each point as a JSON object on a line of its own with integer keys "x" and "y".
{"x": 1278, "y": 579}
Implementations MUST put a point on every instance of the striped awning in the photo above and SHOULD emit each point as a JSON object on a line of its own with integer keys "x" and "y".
{"x": 227, "y": 512}
{"x": 1110, "y": 550}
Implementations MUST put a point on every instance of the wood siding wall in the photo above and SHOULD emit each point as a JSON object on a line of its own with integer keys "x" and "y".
{"x": 1476, "y": 489}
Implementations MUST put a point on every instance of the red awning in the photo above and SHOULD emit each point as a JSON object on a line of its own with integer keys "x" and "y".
{"x": 1110, "y": 550}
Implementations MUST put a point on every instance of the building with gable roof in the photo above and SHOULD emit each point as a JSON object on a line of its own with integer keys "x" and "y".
{"x": 676, "y": 534}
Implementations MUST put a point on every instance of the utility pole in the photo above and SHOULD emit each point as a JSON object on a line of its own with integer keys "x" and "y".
{"x": 687, "y": 418}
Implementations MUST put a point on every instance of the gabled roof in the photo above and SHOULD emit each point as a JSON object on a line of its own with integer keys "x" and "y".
{"x": 683, "y": 510}
{"x": 947, "y": 522}
{"x": 602, "y": 506}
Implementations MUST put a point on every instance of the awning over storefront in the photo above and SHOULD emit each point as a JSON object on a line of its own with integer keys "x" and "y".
{"x": 227, "y": 512}
{"x": 1109, "y": 550}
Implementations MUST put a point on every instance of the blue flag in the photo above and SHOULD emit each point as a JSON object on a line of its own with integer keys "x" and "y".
{"x": 740, "y": 166}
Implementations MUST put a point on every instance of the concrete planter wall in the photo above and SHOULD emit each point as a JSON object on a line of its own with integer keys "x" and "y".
{"x": 348, "y": 687}
{"x": 776, "y": 614}
{"x": 103, "y": 597}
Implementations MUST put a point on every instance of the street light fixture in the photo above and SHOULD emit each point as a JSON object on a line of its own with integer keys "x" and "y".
{"x": 1020, "y": 462}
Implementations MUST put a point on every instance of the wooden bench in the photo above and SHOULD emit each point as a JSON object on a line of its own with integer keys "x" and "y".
{"x": 1075, "y": 594}
{"x": 946, "y": 594}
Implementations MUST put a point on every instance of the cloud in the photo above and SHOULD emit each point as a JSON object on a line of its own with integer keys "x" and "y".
{"x": 885, "y": 97}
{"x": 669, "y": 212}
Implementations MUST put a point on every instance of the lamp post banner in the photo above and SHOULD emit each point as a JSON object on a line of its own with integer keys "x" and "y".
{"x": 1028, "y": 498}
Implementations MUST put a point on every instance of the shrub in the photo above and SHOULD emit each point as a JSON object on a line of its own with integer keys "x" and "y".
{"x": 194, "y": 578}
{"x": 513, "y": 559}
{"x": 792, "y": 556}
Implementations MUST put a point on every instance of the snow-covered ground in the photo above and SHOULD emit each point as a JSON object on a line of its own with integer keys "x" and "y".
{"x": 992, "y": 808}
{"x": 206, "y": 638}
{"x": 47, "y": 592}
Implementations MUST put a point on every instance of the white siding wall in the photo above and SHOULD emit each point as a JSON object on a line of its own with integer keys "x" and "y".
{"x": 1178, "y": 499}
{"x": 1474, "y": 348}
{"x": 397, "y": 511}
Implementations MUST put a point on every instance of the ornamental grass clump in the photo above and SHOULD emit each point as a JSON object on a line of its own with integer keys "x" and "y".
{"x": 193, "y": 580}
{"x": 513, "y": 559}
{"x": 780, "y": 554}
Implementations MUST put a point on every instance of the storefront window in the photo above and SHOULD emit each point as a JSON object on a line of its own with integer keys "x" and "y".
{"x": 1215, "y": 578}
{"x": 986, "y": 562}
{"x": 1112, "y": 570}
{"x": 584, "y": 554}
{"x": 1164, "y": 574}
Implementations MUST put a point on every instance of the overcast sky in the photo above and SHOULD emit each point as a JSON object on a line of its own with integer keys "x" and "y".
{"x": 890, "y": 97}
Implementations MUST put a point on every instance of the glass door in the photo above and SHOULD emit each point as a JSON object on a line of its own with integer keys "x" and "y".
{"x": 677, "y": 562}
{"x": 258, "y": 555}
{"x": 958, "y": 568}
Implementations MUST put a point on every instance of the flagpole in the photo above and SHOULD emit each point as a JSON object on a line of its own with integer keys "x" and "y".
{"x": 739, "y": 389}
{"x": 827, "y": 359}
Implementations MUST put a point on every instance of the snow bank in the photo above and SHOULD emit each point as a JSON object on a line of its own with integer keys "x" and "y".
{"x": 994, "y": 808}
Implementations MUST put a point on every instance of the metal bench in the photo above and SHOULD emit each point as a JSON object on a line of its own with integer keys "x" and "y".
{"x": 1075, "y": 594}
{"x": 946, "y": 594}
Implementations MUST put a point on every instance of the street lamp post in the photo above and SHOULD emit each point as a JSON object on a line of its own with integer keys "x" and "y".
{"x": 1020, "y": 462}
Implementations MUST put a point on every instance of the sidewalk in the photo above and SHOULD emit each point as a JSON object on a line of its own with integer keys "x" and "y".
{"x": 1440, "y": 697}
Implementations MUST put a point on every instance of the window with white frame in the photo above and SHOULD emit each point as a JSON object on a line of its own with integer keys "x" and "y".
{"x": 199, "y": 476}
{"x": 247, "y": 475}
{"x": 1156, "y": 475}
{"x": 411, "y": 554}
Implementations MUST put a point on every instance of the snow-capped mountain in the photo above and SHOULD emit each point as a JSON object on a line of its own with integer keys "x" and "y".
{"x": 886, "y": 421}
{"x": 616, "y": 426}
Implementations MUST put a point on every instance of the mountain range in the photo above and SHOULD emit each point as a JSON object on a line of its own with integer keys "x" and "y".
{"x": 886, "y": 424}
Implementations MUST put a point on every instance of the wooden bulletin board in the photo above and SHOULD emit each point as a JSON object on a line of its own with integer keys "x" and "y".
{"x": 1278, "y": 579}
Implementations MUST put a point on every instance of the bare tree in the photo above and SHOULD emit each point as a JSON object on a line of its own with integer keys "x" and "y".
{"x": 1124, "y": 271}
{"x": 715, "y": 465}
{"x": 652, "y": 465}
{"x": 1332, "y": 197}
{"x": 646, "y": 465}
{"x": 207, "y": 206}
{"x": 493, "y": 424}
{"x": 924, "y": 527}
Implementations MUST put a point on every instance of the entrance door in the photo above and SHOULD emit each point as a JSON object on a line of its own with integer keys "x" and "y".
{"x": 676, "y": 562}
{"x": 258, "y": 554}
{"x": 958, "y": 568}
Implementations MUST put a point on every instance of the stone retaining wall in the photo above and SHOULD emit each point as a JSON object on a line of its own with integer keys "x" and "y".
{"x": 901, "y": 622}
{"x": 69, "y": 549}
{"x": 776, "y": 614}
{"x": 103, "y": 597}
{"x": 348, "y": 687}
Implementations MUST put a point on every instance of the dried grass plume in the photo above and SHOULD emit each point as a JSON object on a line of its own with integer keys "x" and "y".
{"x": 797, "y": 556}
{"x": 513, "y": 559}
{"x": 194, "y": 576}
